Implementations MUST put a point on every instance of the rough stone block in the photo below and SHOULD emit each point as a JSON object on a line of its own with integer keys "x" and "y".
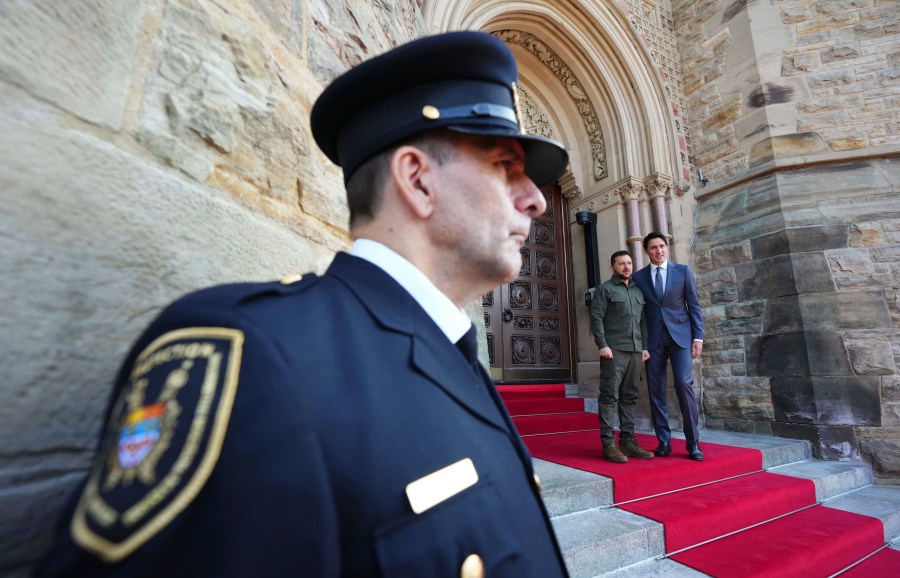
{"x": 798, "y": 354}
{"x": 710, "y": 370}
{"x": 77, "y": 55}
{"x": 890, "y": 401}
{"x": 723, "y": 294}
{"x": 800, "y": 240}
{"x": 745, "y": 309}
{"x": 778, "y": 355}
{"x": 853, "y": 310}
{"x": 723, "y": 343}
{"x": 886, "y": 254}
{"x": 773, "y": 277}
{"x": 725, "y": 255}
{"x": 746, "y": 326}
{"x": 811, "y": 272}
{"x": 872, "y": 358}
{"x": 850, "y": 262}
{"x": 713, "y": 314}
{"x": 867, "y": 235}
{"x": 742, "y": 383}
{"x": 726, "y": 357}
{"x": 783, "y": 315}
{"x": 702, "y": 263}
{"x": 828, "y": 442}
{"x": 720, "y": 276}
{"x": 848, "y": 400}
{"x": 863, "y": 282}
{"x": 783, "y": 275}
{"x": 881, "y": 447}
{"x": 802, "y": 63}
{"x": 750, "y": 403}
{"x": 827, "y": 354}
{"x": 792, "y": 399}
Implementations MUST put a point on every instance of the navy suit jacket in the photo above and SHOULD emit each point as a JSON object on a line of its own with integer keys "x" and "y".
{"x": 346, "y": 392}
{"x": 679, "y": 311}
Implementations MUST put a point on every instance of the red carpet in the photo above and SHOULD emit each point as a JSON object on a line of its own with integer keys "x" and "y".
{"x": 642, "y": 478}
{"x": 695, "y": 515}
{"x": 791, "y": 536}
{"x": 884, "y": 563}
{"x": 815, "y": 542}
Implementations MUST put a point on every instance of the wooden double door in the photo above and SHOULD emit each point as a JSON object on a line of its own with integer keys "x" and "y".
{"x": 527, "y": 320}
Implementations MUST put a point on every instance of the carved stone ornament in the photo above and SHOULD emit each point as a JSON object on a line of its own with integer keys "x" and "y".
{"x": 573, "y": 88}
{"x": 657, "y": 186}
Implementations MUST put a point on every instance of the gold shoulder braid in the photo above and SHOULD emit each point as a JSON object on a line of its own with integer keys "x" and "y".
{"x": 163, "y": 439}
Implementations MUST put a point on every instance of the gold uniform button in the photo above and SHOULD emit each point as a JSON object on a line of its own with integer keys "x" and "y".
{"x": 291, "y": 279}
{"x": 472, "y": 567}
{"x": 537, "y": 483}
{"x": 431, "y": 112}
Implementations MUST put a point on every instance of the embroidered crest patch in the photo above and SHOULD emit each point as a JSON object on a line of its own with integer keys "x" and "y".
{"x": 163, "y": 439}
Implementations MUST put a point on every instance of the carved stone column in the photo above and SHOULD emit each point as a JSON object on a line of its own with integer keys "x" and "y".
{"x": 657, "y": 187}
{"x": 631, "y": 194}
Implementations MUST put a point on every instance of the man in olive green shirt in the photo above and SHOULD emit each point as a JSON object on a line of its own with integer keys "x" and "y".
{"x": 620, "y": 331}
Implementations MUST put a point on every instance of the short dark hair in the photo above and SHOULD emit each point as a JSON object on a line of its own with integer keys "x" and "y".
{"x": 365, "y": 185}
{"x": 616, "y": 255}
{"x": 654, "y": 235}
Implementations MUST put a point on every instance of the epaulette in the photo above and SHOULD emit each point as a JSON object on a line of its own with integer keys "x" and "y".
{"x": 236, "y": 293}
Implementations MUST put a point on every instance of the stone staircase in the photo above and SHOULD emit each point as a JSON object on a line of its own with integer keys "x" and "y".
{"x": 599, "y": 539}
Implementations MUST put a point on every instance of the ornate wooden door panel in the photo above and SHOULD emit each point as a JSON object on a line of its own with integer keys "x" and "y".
{"x": 527, "y": 320}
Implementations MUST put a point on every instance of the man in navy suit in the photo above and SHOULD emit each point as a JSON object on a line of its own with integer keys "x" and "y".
{"x": 336, "y": 425}
{"x": 675, "y": 332}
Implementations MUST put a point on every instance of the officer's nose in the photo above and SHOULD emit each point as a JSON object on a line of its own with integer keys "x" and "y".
{"x": 530, "y": 200}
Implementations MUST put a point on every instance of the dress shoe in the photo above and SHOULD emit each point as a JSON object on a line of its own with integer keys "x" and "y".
{"x": 694, "y": 452}
{"x": 612, "y": 453}
{"x": 663, "y": 449}
{"x": 633, "y": 450}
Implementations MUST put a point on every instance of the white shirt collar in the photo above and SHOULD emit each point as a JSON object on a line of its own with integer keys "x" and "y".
{"x": 664, "y": 266}
{"x": 452, "y": 320}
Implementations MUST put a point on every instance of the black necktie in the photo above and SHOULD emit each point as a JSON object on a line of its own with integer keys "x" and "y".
{"x": 468, "y": 345}
{"x": 659, "y": 284}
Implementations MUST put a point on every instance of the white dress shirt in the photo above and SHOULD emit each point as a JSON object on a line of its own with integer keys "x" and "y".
{"x": 452, "y": 320}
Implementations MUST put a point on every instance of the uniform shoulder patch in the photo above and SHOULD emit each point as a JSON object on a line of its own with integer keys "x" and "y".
{"x": 163, "y": 439}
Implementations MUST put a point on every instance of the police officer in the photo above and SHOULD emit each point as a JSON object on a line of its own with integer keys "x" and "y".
{"x": 329, "y": 426}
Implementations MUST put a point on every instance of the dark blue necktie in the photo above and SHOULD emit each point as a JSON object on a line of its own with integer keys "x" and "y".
{"x": 468, "y": 345}
{"x": 659, "y": 284}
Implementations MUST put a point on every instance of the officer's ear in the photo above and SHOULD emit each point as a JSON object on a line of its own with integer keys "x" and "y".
{"x": 412, "y": 171}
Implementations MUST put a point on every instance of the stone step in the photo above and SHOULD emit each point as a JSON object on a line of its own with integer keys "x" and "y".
{"x": 605, "y": 539}
{"x": 831, "y": 478}
{"x": 882, "y": 502}
{"x": 599, "y": 539}
{"x": 567, "y": 490}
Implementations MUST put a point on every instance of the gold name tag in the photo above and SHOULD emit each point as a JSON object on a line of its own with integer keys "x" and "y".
{"x": 436, "y": 487}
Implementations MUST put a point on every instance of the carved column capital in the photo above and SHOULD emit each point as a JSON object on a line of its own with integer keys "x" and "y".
{"x": 631, "y": 191}
{"x": 657, "y": 185}
{"x": 568, "y": 187}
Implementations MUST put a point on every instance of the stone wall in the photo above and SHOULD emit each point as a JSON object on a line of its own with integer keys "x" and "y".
{"x": 149, "y": 147}
{"x": 794, "y": 109}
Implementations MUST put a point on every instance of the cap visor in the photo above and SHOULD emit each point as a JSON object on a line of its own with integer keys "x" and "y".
{"x": 545, "y": 159}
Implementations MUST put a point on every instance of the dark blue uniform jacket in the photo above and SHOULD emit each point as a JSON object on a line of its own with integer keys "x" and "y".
{"x": 271, "y": 430}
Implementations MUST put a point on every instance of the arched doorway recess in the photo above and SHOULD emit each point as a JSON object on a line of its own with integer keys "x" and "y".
{"x": 591, "y": 82}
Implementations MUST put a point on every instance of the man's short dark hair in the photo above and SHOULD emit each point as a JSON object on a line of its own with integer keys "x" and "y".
{"x": 616, "y": 255}
{"x": 365, "y": 186}
{"x": 654, "y": 235}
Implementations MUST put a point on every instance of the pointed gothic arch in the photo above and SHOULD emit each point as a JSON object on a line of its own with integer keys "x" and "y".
{"x": 592, "y": 74}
